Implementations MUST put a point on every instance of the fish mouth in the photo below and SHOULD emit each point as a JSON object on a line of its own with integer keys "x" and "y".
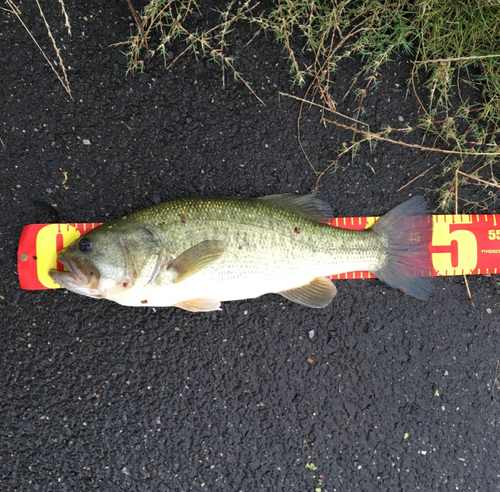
{"x": 78, "y": 278}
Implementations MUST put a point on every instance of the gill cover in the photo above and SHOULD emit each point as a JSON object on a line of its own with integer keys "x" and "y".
{"x": 108, "y": 260}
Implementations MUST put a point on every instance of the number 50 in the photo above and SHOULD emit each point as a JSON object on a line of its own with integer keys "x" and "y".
{"x": 466, "y": 247}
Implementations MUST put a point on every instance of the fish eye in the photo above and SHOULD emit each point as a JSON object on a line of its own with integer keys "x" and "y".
{"x": 84, "y": 245}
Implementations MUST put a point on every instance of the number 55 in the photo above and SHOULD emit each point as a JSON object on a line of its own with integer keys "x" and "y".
{"x": 494, "y": 234}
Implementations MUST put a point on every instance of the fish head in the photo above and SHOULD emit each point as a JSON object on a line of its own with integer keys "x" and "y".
{"x": 108, "y": 261}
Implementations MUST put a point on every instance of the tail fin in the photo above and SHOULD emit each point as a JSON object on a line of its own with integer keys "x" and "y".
{"x": 407, "y": 232}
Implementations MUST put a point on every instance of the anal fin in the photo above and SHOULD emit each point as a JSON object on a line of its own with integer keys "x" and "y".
{"x": 316, "y": 294}
{"x": 202, "y": 304}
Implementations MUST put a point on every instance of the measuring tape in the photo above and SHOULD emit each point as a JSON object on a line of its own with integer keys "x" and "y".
{"x": 461, "y": 245}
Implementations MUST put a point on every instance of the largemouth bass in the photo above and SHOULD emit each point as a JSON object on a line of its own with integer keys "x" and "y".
{"x": 193, "y": 253}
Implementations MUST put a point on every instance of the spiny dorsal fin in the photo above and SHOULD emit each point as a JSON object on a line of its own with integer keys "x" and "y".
{"x": 316, "y": 294}
{"x": 196, "y": 258}
{"x": 308, "y": 205}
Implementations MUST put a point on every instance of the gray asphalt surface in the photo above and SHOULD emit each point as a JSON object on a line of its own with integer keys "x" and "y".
{"x": 378, "y": 391}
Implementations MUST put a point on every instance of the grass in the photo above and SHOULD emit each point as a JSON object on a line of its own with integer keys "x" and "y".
{"x": 456, "y": 62}
{"x": 61, "y": 74}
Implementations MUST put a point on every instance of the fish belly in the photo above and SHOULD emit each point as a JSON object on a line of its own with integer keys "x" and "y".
{"x": 245, "y": 276}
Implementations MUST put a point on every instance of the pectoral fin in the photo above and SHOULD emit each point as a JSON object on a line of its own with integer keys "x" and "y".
{"x": 316, "y": 294}
{"x": 202, "y": 304}
{"x": 196, "y": 258}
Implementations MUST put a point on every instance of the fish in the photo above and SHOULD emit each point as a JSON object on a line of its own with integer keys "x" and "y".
{"x": 194, "y": 253}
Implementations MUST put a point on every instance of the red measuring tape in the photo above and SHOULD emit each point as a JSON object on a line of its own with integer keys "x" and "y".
{"x": 461, "y": 245}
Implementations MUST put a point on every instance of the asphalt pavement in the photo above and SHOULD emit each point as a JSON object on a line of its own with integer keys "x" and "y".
{"x": 378, "y": 391}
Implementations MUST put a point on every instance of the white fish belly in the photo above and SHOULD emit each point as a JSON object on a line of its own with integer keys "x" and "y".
{"x": 230, "y": 279}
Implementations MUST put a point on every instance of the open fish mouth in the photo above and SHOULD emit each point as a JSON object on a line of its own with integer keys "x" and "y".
{"x": 73, "y": 273}
{"x": 77, "y": 278}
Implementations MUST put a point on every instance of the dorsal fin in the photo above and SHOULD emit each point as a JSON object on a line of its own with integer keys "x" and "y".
{"x": 308, "y": 205}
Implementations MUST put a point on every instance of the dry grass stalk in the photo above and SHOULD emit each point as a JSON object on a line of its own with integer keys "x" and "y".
{"x": 64, "y": 78}
{"x": 65, "y": 15}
